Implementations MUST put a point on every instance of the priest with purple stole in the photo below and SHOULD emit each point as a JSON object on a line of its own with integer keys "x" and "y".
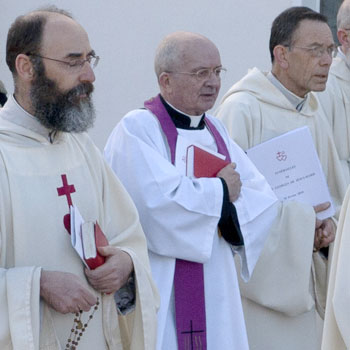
{"x": 194, "y": 226}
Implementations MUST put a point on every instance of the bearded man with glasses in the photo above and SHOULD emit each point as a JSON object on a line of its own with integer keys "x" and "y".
{"x": 284, "y": 301}
{"x": 49, "y": 299}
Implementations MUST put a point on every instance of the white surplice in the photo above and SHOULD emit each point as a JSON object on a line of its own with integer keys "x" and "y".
{"x": 286, "y": 294}
{"x": 33, "y": 236}
{"x": 336, "y": 332}
{"x": 180, "y": 215}
{"x": 335, "y": 102}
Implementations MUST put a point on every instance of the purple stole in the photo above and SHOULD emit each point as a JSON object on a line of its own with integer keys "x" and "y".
{"x": 189, "y": 278}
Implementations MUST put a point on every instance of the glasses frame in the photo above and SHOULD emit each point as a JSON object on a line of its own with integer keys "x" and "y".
{"x": 317, "y": 52}
{"x": 79, "y": 63}
{"x": 197, "y": 73}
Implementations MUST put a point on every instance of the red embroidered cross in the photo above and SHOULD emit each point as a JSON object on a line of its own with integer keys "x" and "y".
{"x": 66, "y": 190}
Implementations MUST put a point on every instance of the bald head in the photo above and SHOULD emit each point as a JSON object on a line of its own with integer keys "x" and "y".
{"x": 26, "y": 33}
{"x": 343, "y": 17}
{"x": 176, "y": 48}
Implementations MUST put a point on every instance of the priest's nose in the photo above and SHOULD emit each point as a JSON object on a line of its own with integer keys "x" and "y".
{"x": 87, "y": 74}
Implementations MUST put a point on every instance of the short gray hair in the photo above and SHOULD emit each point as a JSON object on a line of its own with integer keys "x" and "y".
{"x": 167, "y": 55}
{"x": 343, "y": 17}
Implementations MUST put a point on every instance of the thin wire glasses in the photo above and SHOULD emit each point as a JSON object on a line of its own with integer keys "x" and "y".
{"x": 75, "y": 63}
{"x": 318, "y": 51}
{"x": 205, "y": 73}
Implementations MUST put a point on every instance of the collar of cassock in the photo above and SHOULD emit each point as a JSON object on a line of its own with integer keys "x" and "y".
{"x": 28, "y": 121}
{"x": 182, "y": 120}
{"x": 296, "y": 101}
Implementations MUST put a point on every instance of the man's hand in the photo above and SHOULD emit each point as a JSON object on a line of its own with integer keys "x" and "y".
{"x": 114, "y": 273}
{"x": 324, "y": 229}
{"x": 324, "y": 235}
{"x": 65, "y": 292}
{"x": 232, "y": 179}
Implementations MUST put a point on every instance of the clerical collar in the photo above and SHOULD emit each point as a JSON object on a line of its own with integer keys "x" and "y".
{"x": 296, "y": 101}
{"x": 182, "y": 120}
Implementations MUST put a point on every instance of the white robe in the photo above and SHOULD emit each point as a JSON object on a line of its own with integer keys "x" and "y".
{"x": 289, "y": 281}
{"x": 180, "y": 216}
{"x": 335, "y": 102}
{"x": 32, "y": 236}
{"x": 336, "y": 333}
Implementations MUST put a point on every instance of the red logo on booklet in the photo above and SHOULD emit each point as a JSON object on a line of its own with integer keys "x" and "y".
{"x": 281, "y": 156}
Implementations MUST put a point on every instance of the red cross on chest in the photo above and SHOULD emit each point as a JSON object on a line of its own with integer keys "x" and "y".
{"x": 66, "y": 190}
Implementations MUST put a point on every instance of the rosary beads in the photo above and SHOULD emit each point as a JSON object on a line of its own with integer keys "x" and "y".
{"x": 78, "y": 328}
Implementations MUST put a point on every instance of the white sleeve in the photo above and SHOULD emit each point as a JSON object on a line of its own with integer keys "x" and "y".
{"x": 20, "y": 311}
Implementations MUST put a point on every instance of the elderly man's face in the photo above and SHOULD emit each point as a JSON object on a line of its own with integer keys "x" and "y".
{"x": 307, "y": 72}
{"x": 191, "y": 94}
{"x": 60, "y": 94}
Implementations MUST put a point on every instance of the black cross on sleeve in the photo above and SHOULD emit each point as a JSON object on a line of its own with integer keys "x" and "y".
{"x": 229, "y": 224}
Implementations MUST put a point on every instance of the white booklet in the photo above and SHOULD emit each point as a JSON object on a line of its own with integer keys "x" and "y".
{"x": 76, "y": 222}
{"x": 291, "y": 166}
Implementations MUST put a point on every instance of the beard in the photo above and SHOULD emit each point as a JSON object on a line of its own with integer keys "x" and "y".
{"x": 62, "y": 111}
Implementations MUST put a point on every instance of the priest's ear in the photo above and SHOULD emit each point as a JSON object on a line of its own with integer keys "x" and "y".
{"x": 344, "y": 38}
{"x": 280, "y": 53}
{"x": 164, "y": 82}
{"x": 24, "y": 67}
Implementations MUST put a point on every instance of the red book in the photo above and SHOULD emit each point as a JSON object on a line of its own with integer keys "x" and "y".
{"x": 202, "y": 163}
{"x": 92, "y": 238}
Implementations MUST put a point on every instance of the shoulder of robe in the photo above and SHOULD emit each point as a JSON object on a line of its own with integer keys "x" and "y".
{"x": 138, "y": 122}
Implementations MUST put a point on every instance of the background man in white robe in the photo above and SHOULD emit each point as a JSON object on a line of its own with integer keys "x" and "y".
{"x": 287, "y": 290}
{"x": 179, "y": 214}
{"x": 335, "y": 100}
{"x": 336, "y": 332}
{"x": 47, "y": 164}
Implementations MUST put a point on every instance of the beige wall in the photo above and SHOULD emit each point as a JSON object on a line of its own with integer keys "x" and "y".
{"x": 125, "y": 34}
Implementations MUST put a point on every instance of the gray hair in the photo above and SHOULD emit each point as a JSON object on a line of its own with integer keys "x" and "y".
{"x": 173, "y": 49}
{"x": 167, "y": 55}
{"x": 343, "y": 17}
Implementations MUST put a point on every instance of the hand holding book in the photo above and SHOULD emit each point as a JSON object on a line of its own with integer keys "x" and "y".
{"x": 86, "y": 237}
{"x": 206, "y": 163}
{"x": 232, "y": 179}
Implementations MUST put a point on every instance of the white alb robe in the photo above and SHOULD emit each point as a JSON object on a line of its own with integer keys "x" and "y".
{"x": 335, "y": 102}
{"x": 180, "y": 216}
{"x": 289, "y": 281}
{"x": 336, "y": 332}
{"x": 32, "y": 237}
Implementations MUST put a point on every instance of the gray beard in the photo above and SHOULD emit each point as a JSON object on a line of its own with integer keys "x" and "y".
{"x": 59, "y": 111}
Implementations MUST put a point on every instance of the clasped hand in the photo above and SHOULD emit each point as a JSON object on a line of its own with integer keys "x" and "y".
{"x": 232, "y": 179}
{"x": 324, "y": 229}
{"x": 66, "y": 292}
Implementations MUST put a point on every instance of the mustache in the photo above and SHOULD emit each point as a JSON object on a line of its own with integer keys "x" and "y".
{"x": 82, "y": 89}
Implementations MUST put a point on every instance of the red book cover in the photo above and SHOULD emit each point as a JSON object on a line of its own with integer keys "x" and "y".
{"x": 201, "y": 163}
{"x": 99, "y": 240}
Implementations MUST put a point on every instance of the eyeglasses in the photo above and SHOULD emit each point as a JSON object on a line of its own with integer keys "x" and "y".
{"x": 205, "y": 73}
{"x": 318, "y": 51}
{"x": 73, "y": 64}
